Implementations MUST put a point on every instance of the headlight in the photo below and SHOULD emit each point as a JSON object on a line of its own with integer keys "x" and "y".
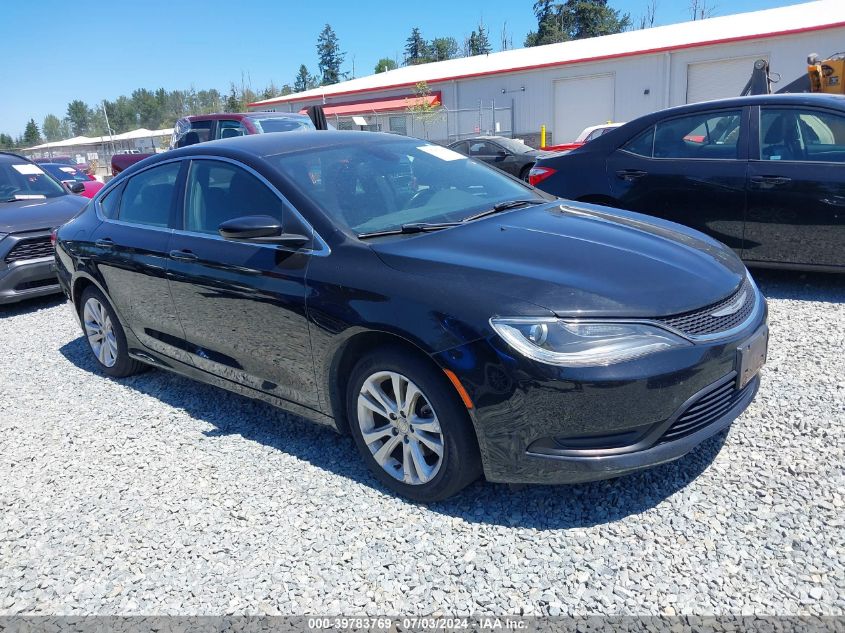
{"x": 583, "y": 343}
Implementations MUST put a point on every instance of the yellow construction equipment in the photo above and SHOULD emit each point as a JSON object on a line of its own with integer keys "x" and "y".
{"x": 827, "y": 75}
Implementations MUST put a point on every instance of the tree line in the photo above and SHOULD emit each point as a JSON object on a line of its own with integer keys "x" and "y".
{"x": 156, "y": 109}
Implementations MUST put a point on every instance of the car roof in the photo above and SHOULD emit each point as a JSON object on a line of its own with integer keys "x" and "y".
{"x": 264, "y": 145}
{"x": 797, "y": 98}
{"x": 244, "y": 115}
{"x": 13, "y": 155}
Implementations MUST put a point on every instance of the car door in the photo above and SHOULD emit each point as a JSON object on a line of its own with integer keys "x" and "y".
{"x": 131, "y": 253}
{"x": 241, "y": 304}
{"x": 688, "y": 169}
{"x": 796, "y": 187}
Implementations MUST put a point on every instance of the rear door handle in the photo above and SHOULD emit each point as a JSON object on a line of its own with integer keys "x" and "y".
{"x": 105, "y": 242}
{"x": 773, "y": 181}
{"x": 183, "y": 256}
{"x": 631, "y": 174}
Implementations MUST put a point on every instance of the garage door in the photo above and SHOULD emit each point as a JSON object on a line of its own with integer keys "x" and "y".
{"x": 581, "y": 102}
{"x": 720, "y": 79}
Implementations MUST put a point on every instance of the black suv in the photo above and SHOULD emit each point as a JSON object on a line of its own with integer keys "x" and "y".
{"x": 32, "y": 204}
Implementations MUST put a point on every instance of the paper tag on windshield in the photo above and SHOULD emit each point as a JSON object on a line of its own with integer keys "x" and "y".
{"x": 68, "y": 170}
{"x": 30, "y": 196}
{"x": 27, "y": 170}
{"x": 443, "y": 153}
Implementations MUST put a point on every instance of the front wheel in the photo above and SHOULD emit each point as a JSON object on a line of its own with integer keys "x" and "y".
{"x": 411, "y": 427}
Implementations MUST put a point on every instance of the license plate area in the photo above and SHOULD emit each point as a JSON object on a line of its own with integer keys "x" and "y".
{"x": 751, "y": 356}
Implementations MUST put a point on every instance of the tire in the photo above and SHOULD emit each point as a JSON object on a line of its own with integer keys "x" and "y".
{"x": 105, "y": 336}
{"x": 424, "y": 476}
{"x": 523, "y": 175}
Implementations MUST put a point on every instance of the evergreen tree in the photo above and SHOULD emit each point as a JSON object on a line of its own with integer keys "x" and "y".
{"x": 482, "y": 41}
{"x": 330, "y": 56}
{"x": 574, "y": 20}
{"x": 303, "y": 81}
{"x": 6, "y": 141}
{"x": 416, "y": 48}
{"x": 31, "y": 135}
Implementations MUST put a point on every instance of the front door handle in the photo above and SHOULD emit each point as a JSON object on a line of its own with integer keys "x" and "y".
{"x": 630, "y": 175}
{"x": 105, "y": 242}
{"x": 772, "y": 181}
{"x": 183, "y": 256}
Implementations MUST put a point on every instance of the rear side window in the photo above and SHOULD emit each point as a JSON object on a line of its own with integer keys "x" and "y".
{"x": 148, "y": 197}
{"x": 709, "y": 135}
{"x": 229, "y": 129}
{"x": 110, "y": 203}
{"x": 795, "y": 134}
{"x": 642, "y": 145}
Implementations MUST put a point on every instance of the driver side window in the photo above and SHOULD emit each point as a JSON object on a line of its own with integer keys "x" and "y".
{"x": 218, "y": 191}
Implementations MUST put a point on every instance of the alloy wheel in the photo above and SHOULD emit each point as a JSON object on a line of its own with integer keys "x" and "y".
{"x": 100, "y": 332}
{"x": 400, "y": 428}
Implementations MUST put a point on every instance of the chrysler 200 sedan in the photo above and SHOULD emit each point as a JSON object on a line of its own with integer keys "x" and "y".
{"x": 451, "y": 318}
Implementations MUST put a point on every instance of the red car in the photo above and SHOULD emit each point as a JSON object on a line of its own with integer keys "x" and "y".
{"x": 69, "y": 175}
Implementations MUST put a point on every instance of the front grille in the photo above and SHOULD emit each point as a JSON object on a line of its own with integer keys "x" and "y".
{"x": 702, "y": 322}
{"x": 706, "y": 410}
{"x": 31, "y": 248}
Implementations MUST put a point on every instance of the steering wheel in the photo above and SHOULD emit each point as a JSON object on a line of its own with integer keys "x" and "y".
{"x": 6, "y": 191}
{"x": 420, "y": 198}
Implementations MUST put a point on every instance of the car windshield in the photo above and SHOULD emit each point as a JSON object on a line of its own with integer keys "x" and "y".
{"x": 374, "y": 187}
{"x": 65, "y": 172}
{"x": 20, "y": 180}
{"x": 281, "y": 124}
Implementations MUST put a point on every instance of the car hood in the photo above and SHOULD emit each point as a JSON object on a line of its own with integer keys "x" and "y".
{"x": 575, "y": 260}
{"x": 34, "y": 215}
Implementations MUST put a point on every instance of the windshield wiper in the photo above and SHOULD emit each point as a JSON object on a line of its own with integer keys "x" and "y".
{"x": 413, "y": 227}
{"x": 505, "y": 206}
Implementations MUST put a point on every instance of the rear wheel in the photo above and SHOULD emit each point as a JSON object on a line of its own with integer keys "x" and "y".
{"x": 105, "y": 335}
{"x": 411, "y": 427}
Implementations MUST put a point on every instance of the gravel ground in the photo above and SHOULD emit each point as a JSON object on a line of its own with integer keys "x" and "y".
{"x": 158, "y": 495}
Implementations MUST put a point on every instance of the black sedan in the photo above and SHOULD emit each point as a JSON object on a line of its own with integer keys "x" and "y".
{"x": 452, "y": 319}
{"x": 32, "y": 204}
{"x": 765, "y": 175}
{"x": 511, "y": 156}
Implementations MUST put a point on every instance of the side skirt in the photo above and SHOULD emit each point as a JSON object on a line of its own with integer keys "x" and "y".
{"x": 199, "y": 375}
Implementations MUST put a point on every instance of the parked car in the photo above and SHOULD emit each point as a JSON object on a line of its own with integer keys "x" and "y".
{"x": 588, "y": 134}
{"x": 455, "y": 322}
{"x": 765, "y": 174}
{"x": 71, "y": 177}
{"x": 32, "y": 204}
{"x": 206, "y": 127}
{"x": 510, "y": 155}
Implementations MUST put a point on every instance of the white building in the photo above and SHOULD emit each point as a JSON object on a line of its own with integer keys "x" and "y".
{"x": 571, "y": 85}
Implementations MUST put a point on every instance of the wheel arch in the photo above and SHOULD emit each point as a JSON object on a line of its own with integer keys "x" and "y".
{"x": 349, "y": 352}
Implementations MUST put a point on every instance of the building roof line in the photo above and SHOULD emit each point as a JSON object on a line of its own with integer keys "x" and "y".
{"x": 568, "y": 62}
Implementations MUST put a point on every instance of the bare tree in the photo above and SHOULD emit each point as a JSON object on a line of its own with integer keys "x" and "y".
{"x": 648, "y": 18}
{"x": 506, "y": 39}
{"x": 702, "y": 9}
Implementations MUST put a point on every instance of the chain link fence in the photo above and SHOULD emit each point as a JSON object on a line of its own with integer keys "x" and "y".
{"x": 441, "y": 125}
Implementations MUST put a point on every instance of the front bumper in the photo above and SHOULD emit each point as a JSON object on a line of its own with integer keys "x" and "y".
{"x": 27, "y": 279}
{"x": 537, "y": 423}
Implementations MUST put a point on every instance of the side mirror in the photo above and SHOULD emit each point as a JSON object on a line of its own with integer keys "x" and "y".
{"x": 76, "y": 187}
{"x": 259, "y": 228}
{"x": 502, "y": 154}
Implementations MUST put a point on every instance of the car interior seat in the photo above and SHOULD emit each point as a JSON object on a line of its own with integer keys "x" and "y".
{"x": 231, "y": 132}
{"x": 669, "y": 143}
